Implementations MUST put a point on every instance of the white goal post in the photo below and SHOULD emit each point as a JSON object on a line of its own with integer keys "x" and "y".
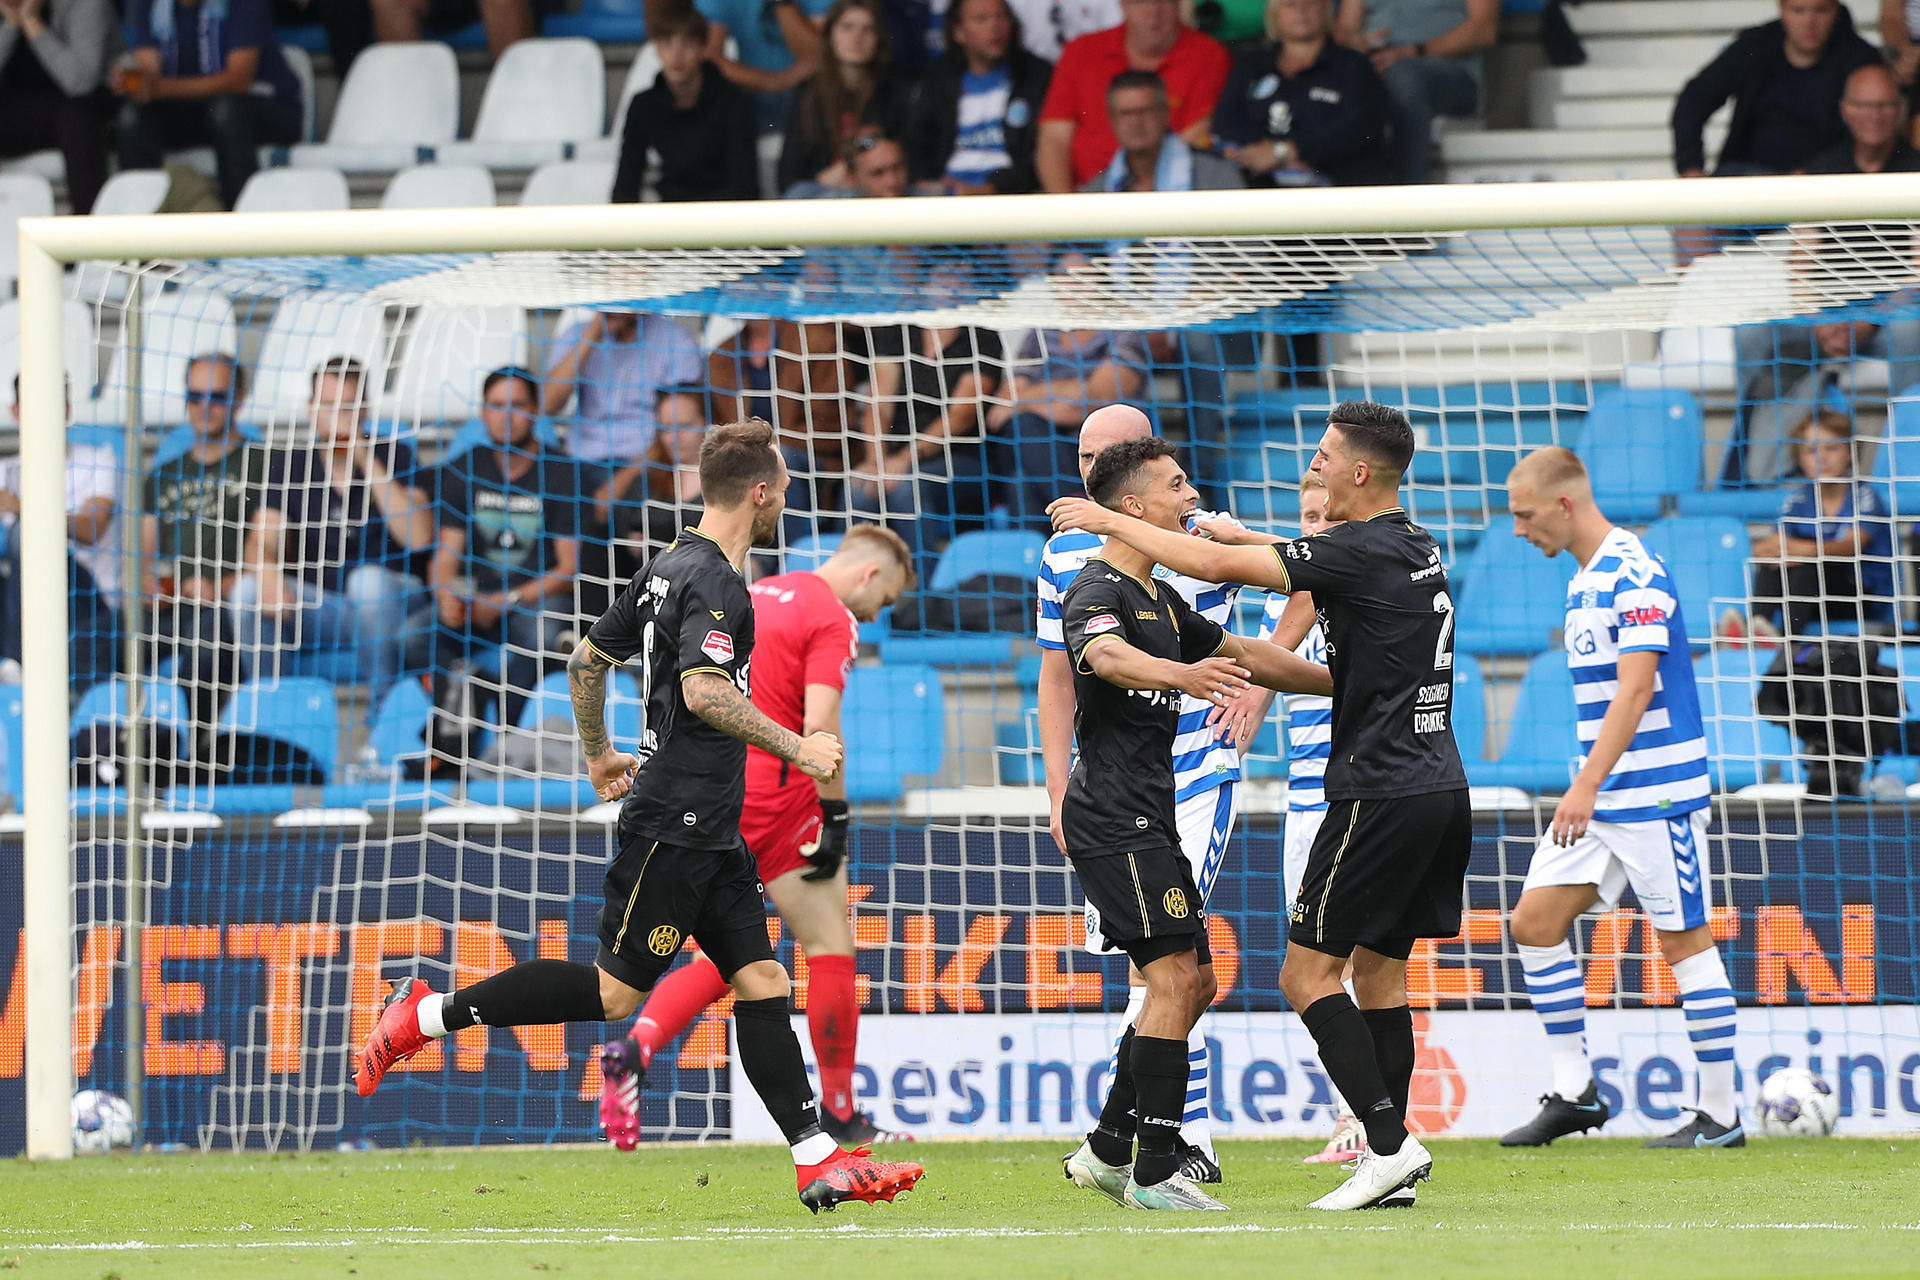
{"x": 49, "y": 246}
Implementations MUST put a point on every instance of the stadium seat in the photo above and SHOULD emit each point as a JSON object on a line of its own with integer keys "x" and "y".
{"x": 399, "y": 100}
{"x": 543, "y": 96}
{"x": 22, "y": 195}
{"x": 132, "y": 191}
{"x": 1742, "y": 748}
{"x": 399, "y": 731}
{"x": 811, "y": 551}
{"x": 641, "y": 73}
{"x": 180, "y": 437}
{"x": 12, "y": 739}
{"x": 602, "y": 21}
{"x": 280, "y": 731}
{"x": 473, "y": 432}
{"x": 307, "y": 330}
{"x": 894, "y": 718}
{"x": 1643, "y": 448}
{"x": 449, "y": 351}
{"x": 569, "y": 182}
{"x": 165, "y": 710}
{"x": 76, "y": 340}
{"x": 1707, "y": 559}
{"x": 439, "y": 186}
{"x": 1542, "y": 737}
{"x": 1009, "y": 552}
{"x": 1898, "y": 463}
{"x": 177, "y": 325}
{"x": 300, "y": 62}
{"x": 1508, "y": 598}
{"x": 46, "y": 164}
{"x": 553, "y": 700}
{"x": 1016, "y": 749}
{"x": 294, "y": 191}
{"x": 1470, "y": 715}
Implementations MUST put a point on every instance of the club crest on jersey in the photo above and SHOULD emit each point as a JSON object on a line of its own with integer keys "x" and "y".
{"x": 718, "y": 645}
{"x": 1584, "y": 645}
{"x": 1176, "y": 904}
{"x": 1102, "y": 622}
{"x": 664, "y": 940}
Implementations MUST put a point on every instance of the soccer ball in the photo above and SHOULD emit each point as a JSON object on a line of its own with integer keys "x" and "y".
{"x": 1795, "y": 1103}
{"x": 101, "y": 1123}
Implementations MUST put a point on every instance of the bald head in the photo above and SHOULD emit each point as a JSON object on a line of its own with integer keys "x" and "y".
{"x": 1109, "y": 425}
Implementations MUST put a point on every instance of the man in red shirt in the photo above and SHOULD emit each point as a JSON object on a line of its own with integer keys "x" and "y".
{"x": 806, "y": 635}
{"x": 1076, "y": 140}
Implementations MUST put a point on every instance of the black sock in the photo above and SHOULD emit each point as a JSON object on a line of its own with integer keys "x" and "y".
{"x": 532, "y": 993}
{"x": 1112, "y": 1139}
{"x": 1392, "y": 1031}
{"x": 1346, "y": 1051}
{"x": 770, "y": 1055}
{"x": 1160, "y": 1076}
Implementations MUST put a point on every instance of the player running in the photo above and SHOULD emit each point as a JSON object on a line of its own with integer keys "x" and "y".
{"x": 1635, "y": 814}
{"x": 680, "y": 866}
{"x": 1389, "y": 864}
{"x": 806, "y": 627}
{"x": 1206, "y": 772}
{"x": 1134, "y": 643}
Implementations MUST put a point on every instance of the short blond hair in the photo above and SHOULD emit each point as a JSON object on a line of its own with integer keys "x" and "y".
{"x": 1311, "y": 480}
{"x": 873, "y": 541}
{"x": 1549, "y": 469}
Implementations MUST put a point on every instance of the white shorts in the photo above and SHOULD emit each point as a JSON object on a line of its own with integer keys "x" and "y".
{"x": 1665, "y": 860}
{"x": 1205, "y": 822}
{"x": 1302, "y": 826}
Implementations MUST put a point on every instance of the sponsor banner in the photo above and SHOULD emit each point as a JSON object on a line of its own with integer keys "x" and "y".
{"x": 1476, "y": 1074}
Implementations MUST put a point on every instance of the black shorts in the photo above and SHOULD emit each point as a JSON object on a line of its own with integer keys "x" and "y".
{"x": 1383, "y": 873}
{"x": 659, "y": 894}
{"x": 1146, "y": 901}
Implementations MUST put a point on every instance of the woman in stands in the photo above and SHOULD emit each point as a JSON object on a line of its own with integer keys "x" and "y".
{"x": 1831, "y": 558}
{"x": 1304, "y": 110}
{"x": 854, "y": 89}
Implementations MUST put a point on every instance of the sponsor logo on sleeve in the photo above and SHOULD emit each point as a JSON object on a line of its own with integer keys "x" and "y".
{"x": 1651, "y": 615}
{"x": 1102, "y": 622}
{"x": 718, "y": 645}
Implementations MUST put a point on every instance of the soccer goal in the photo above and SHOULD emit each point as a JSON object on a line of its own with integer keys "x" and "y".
{"x": 299, "y": 715}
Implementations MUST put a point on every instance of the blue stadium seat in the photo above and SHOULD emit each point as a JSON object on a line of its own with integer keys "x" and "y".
{"x": 177, "y": 441}
{"x": 1707, "y": 559}
{"x": 604, "y": 21}
{"x": 309, "y": 36}
{"x": 1509, "y": 598}
{"x": 811, "y": 551}
{"x": 1014, "y": 552}
{"x": 948, "y": 648}
{"x": 894, "y": 718}
{"x": 1016, "y": 749}
{"x": 282, "y": 731}
{"x": 1643, "y": 448}
{"x": 165, "y": 708}
{"x": 236, "y": 799}
{"x": 1898, "y": 463}
{"x": 12, "y": 740}
{"x": 553, "y": 700}
{"x": 399, "y": 730}
{"x": 1752, "y": 506}
{"x": 473, "y": 433}
{"x": 1742, "y": 748}
{"x": 1542, "y": 739}
{"x": 1470, "y": 715}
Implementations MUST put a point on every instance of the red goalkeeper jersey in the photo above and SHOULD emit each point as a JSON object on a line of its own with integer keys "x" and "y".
{"x": 802, "y": 635}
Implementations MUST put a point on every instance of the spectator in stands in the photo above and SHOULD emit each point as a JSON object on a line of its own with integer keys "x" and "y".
{"x": 1304, "y": 110}
{"x": 348, "y": 25}
{"x": 195, "y": 512}
{"x": 877, "y": 168}
{"x": 854, "y": 89}
{"x": 1428, "y": 53}
{"x": 334, "y": 552}
{"x": 613, "y": 367}
{"x": 1831, "y": 558}
{"x": 54, "y": 56}
{"x": 643, "y": 506}
{"x": 778, "y": 43}
{"x": 504, "y": 568}
{"x": 976, "y": 114}
{"x": 505, "y": 20}
{"x": 1899, "y": 31}
{"x": 698, "y": 122}
{"x": 1076, "y": 139}
{"x": 205, "y": 73}
{"x": 1058, "y": 376}
{"x": 93, "y": 561}
{"x": 1148, "y": 156}
{"x": 1875, "y": 114}
{"x": 1786, "y": 78}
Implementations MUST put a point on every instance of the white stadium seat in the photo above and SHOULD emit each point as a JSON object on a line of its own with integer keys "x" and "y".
{"x": 447, "y": 351}
{"x": 397, "y": 99}
{"x": 130, "y": 192}
{"x": 22, "y": 195}
{"x": 300, "y": 62}
{"x": 76, "y": 341}
{"x": 177, "y": 325}
{"x": 640, "y": 75}
{"x": 570, "y": 182}
{"x": 543, "y": 96}
{"x": 439, "y": 186}
{"x": 46, "y": 164}
{"x": 304, "y": 332}
{"x": 293, "y": 191}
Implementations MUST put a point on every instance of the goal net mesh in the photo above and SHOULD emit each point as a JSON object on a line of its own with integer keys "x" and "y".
{"x": 300, "y": 773}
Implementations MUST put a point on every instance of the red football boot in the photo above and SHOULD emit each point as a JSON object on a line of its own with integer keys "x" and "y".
{"x": 855, "y": 1175}
{"x": 396, "y": 1037}
{"x": 620, "y": 1073}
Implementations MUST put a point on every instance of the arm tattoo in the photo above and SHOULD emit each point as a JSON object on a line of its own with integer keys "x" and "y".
{"x": 715, "y": 700}
{"x": 587, "y": 682}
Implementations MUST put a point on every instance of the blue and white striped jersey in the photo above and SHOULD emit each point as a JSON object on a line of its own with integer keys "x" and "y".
{"x": 1622, "y": 601}
{"x": 1309, "y": 720}
{"x": 1200, "y": 762}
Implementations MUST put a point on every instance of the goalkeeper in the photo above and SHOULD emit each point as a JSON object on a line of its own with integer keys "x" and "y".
{"x": 806, "y": 638}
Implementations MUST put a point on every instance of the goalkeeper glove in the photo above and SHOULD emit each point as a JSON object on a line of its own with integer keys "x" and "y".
{"x": 831, "y": 849}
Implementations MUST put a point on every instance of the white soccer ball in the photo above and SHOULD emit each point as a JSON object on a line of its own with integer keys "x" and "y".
{"x": 101, "y": 1123}
{"x": 1795, "y": 1103}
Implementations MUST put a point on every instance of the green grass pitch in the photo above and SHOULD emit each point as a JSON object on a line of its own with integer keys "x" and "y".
{"x": 1586, "y": 1208}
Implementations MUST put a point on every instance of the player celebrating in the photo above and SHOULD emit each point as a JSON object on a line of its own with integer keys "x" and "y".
{"x": 680, "y": 866}
{"x": 1206, "y": 773}
{"x": 806, "y": 631}
{"x": 1635, "y": 814}
{"x": 1134, "y": 643}
{"x": 1389, "y": 864}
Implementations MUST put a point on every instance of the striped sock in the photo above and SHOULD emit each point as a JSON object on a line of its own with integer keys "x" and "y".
{"x": 1196, "y": 1122}
{"x": 1558, "y": 991}
{"x": 1707, "y": 998}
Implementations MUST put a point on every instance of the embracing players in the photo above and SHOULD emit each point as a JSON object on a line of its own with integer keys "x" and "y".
{"x": 1389, "y": 864}
{"x": 1206, "y": 772}
{"x": 806, "y": 627}
{"x": 1135, "y": 644}
{"x": 680, "y": 866}
{"x": 1635, "y": 814}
